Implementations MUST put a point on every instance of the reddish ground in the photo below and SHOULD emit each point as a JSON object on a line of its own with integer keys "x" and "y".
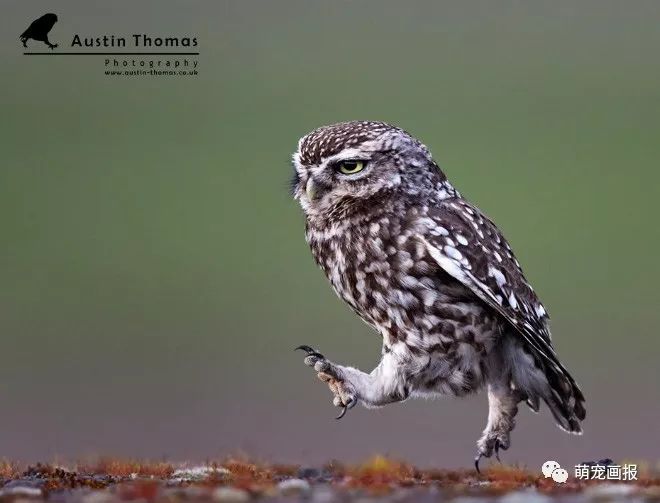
{"x": 241, "y": 480}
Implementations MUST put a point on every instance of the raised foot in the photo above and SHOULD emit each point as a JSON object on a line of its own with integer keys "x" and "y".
{"x": 328, "y": 372}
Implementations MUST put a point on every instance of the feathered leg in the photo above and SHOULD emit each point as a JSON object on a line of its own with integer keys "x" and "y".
{"x": 387, "y": 383}
{"x": 502, "y": 409}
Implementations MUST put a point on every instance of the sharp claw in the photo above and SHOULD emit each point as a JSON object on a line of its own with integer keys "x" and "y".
{"x": 497, "y": 451}
{"x": 310, "y": 352}
{"x": 476, "y": 462}
{"x": 351, "y": 403}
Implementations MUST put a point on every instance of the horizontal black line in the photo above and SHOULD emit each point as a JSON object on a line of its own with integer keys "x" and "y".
{"x": 111, "y": 54}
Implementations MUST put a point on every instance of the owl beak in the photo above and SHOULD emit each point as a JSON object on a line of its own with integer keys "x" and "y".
{"x": 311, "y": 189}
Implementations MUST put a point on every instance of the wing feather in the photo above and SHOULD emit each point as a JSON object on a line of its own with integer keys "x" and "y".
{"x": 470, "y": 248}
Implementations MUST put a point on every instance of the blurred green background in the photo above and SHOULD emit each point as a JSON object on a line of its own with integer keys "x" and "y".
{"x": 153, "y": 272}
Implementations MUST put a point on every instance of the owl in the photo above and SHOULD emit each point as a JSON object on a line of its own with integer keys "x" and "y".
{"x": 432, "y": 275}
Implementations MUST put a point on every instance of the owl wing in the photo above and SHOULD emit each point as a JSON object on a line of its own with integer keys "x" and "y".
{"x": 471, "y": 249}
{"x": 468, "y": 246}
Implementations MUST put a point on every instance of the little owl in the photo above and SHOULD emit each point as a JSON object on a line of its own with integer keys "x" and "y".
{"x": 432, "y": 274}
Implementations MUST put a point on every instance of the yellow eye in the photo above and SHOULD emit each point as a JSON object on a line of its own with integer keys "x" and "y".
{"x": 351, "y": 167}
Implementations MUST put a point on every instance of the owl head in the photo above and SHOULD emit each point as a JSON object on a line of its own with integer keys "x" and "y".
{"x": 342, "y": 166}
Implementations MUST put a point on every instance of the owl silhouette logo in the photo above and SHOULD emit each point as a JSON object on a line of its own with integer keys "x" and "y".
{"x": 39, "y": 29}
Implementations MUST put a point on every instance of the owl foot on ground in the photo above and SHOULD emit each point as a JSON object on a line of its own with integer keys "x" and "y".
{"x": 489, "y": 443}
{"x": 330, "y": 373}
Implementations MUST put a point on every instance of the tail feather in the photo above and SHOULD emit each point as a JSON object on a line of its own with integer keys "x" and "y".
{"x": 564, "y": 398}
{"x": 537, "y": 374}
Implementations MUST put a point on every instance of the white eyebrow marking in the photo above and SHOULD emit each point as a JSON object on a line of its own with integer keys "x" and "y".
{"x": 347, "y": 153}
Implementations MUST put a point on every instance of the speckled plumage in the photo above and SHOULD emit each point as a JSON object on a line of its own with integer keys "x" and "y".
{"x": 432, "y": 275}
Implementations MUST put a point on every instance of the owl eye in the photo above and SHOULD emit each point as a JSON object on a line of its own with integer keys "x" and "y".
{"x": 351, "y": 167}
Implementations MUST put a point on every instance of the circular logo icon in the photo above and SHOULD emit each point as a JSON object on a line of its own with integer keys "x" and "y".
{"x": 549, "y": 467}
{"x": 560, "y": 475}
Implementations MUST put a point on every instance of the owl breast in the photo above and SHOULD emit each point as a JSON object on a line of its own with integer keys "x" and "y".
{"x": 383, "y": 271}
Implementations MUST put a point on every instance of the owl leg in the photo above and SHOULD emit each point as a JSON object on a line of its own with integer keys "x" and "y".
{"x": 502, "y": 409}
{"x": 387, "y": 383}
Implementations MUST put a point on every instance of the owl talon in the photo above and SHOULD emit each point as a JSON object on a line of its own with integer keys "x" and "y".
{"x": 333, "y": 376}
{"x": 310, "y": 352}
{"x": 491, "y": 444}
{"x": 345, "y": 407}
{"x": 476, "y": 462}
{"x": 342, "y": 413}
{"x": 498, "y": 446}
